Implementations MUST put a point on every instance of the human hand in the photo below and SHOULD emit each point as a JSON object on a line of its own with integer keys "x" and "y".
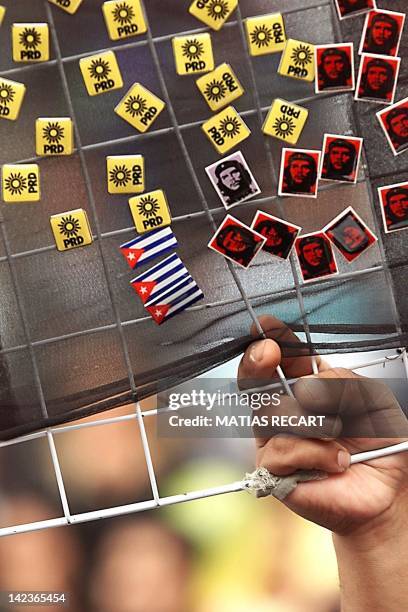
{"x": 353, "y": 498}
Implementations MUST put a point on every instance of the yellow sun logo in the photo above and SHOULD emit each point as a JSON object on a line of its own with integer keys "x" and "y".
{"x": 123, "y": 13}
{"x": 30, "y": 38}
{"x": 148, "y": 207}
{"x": 136, "y": 106}
{"x": 230, "y": 127}
{"x": 261, "y": 36}
{"x": 7, "y": 93}
{"x": 99, "y": 69}
{"x": 120, "y": 176}
{"x": 53, "y": 132}
{"x": 218, "y": 9}
{"x": 284, "y": 126}
{"x": 193, "y": 49}
{"x": 215, "y": 91}
{"x": 69, "y": 226}
{"x": 15, "y": 183}
{"x": 301, "y": 56}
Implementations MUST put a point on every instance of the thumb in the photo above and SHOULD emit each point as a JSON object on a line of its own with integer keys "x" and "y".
{"x": 258, "y": 364}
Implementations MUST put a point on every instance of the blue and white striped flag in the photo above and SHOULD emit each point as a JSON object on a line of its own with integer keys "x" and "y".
{"x": 148, "y": 246}
{"x": 174, "y": 300}
{"x": 164, "y": 275}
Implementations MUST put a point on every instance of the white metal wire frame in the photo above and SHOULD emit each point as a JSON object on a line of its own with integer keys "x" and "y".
{"x": 139, "y": 415}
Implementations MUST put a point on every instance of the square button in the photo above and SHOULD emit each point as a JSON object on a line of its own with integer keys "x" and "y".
{"x": 140, "y": 107}
{"x": 125, "y": 173}
{"x": 31, "y": 42}
{"x": 285, "y": 121}
{"x": 21, "y": 183}
{"x": 226, "y": 130}
{"x": 101, "y": 73}
{"x": 193, "y": 54}
{"x": 220, "y": 87}
{"x": 124, "y": 18}
{"x": 2, "y": 13}
{"x": 70, "y": 6}
{"x": 71, "y": 229}
{"x": 213, "y": 13}
{"x": 54, "y": 136}
{"x": 265, "y": 34}
{"x": 298, "y": 61}
{"x": 150, "y": 211}
{"x": 11, "y": 98}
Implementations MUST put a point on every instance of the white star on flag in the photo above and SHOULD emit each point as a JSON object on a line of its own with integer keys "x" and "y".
{"x": 131, "y": 257}
{"x": 158, "y": 313}
{"x": 143, "y": 290}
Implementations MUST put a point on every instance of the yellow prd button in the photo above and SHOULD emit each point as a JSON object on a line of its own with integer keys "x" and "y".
{"x": 220, "y": 87}
{"x": 265, "y": 34}
{"x": 11, "y": 98}
{"x": 150, "y": 211}
{"x": 213, "y": 13}
{"x": 124, "y": 18}
{"x": 101, "y": 73}
{"x": 54, "y": 136}
{"x": 31, "y": 42}
{"x": 70, "y": 6}
{"x": 298, "y": 61}
{"x": 285, "y": 121}
{"x": 71, "y": 229}
{"x": 140, "y": 107}
{"x": 226, "y": 130}
{"x": 193, "y": 54}
{"x": 2, "y": 13}
{"x": 125, "y": 173}
{"x": 21, "y": 183}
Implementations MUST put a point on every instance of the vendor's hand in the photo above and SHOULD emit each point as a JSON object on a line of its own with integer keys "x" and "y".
{"x": 352, "y": 498}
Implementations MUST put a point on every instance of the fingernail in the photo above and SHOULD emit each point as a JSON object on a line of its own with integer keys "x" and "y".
{"x": 257, "y": 351}
{"x": 343, "y": 459}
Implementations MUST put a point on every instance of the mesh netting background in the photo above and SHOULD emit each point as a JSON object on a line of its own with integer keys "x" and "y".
{"x": 74, "y": 337}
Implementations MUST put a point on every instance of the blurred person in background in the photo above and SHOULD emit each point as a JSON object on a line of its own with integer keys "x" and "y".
{"x": 141, "y": 566}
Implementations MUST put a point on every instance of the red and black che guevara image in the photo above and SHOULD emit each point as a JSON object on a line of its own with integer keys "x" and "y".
{"x": 350, "y": 8}
{"x": 315, "y": 255}
{"x": 394, "y": 122}
{"x": 299, "y": 173}
{"x": 350, "y": 234}
{"x": 236, "y": 241}
{"x": 382, "y": 33}
{"x": 280, "y": 235}
{"x": 377, "y": 78}
{"x": 334, "y": 68}
{"x": 394, "y": 206}
{"x": 341, "y": 158}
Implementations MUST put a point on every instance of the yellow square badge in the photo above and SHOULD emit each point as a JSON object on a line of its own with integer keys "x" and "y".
{"x": 124, "y": 18}
{"x": 220, "y": 87}
{"x": 125, "y": 173}
{"x": 226, "y": 130}
{"x": 140, "y": 107}
{"x": 101, "y": 73}
{"x": 71, "y": 229}
{"x": 54, "y": 136}
{"x": 11, "y": 98}
{"x": 285, "y": 121}
{"x": 31, "y": 42}
{"x": 193, "y": 54}
{"x": 2, "y": 13}
{"x": 213, "y": 13}
{"x": 69, "y": 6}
{"x": 298, "y": 61}
{"x": 150, "y": 211}
{"x": 265, "y": 34}
{"x": 21, "y": 183}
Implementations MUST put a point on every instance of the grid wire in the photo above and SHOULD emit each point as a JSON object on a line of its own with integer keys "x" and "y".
{"x": 138, "y": 414}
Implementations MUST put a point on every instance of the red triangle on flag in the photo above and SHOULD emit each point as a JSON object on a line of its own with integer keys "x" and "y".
{"x": 132, "y": 256}
{"x": 158, "y": 312}
{"x": 144, "y": 289}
